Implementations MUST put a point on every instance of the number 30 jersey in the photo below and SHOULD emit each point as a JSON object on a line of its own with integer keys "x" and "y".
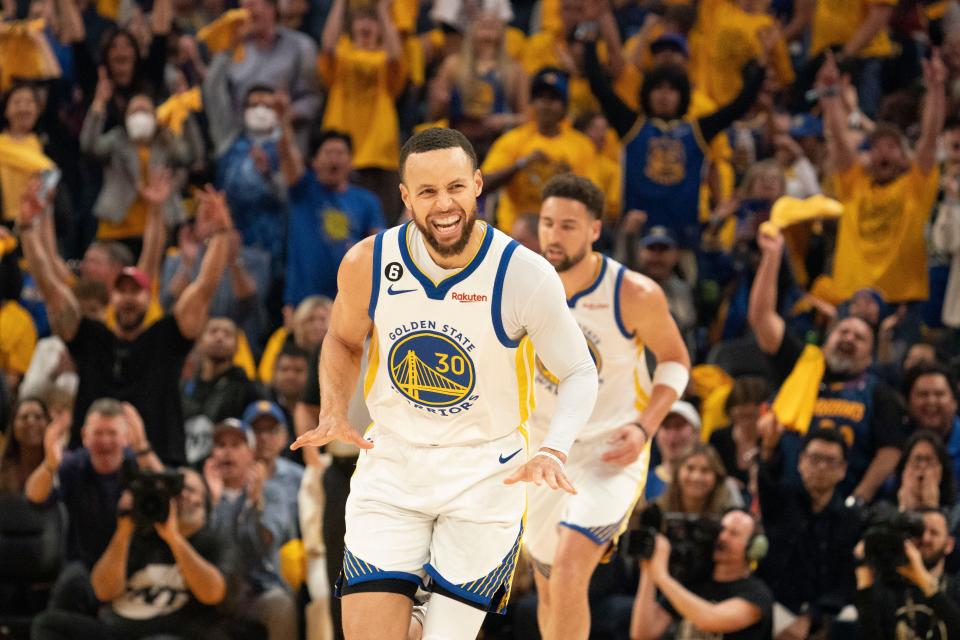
{"x": 442, "y": 370}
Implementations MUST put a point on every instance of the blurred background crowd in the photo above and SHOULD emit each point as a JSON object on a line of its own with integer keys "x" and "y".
{"x": 151, "y": 321}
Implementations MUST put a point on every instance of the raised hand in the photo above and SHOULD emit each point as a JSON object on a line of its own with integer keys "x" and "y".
{"x": 328, "y": 429}
{"x": 211, "y": 473}
{"x": 31, "y": 206}
{"x": 104, "y": 91}
{"x": 136, "y": 432}
{"x": 542, "y": 469}
{"x": 54, "y": 440}
{"x": 156, "y": 190}
{"x": 934, "y": 70}
{"x": 169, "y": 530}
{"x": 769, "y": 243}
{"x": 829, "y": 73}
{"x": 213, "y": 208}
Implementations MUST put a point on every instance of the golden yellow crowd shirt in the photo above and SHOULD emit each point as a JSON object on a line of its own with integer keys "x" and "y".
{"x": 881, "y": 241}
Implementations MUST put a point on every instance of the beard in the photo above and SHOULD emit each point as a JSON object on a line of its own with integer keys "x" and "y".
{"x": 842, "y": 363}
{"x": 932, "y": 560}
{"x": 130, "y": 320}
{"x": 566, "y": 262}
{"x": 447, "y": 250}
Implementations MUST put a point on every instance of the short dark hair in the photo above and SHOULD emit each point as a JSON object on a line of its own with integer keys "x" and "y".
{"x": 827, "y": 435}
{"x": 433, "y": 140}
{"x": 747, "y": 390}
{"x": 913, "y": 374}
{"x": 291, "y": 350}
{"x": 260, "y": 87}
{"x": 574, "y": 187}
{"x": 323, "y": 136}
{"x": 948, "y": 490}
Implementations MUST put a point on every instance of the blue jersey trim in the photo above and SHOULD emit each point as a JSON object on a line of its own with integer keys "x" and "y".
{"x": 387, "y": 575}
{"x": 375, "y": 287}
{"x": 616, "y": 305}
{"x": 456, "y": 589}
{"x": 599, "y": 535}
{"x": 356, "y": 571}
{"x": 497, "y": 316}
{"x": 572, "y": 302}
{"x": 439, "y": 291}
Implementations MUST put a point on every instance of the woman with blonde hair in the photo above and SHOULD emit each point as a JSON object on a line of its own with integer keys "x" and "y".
{"x": 304, "y": 326}
{"x": 481, "y": 91}
{"x": 699, "y": 484}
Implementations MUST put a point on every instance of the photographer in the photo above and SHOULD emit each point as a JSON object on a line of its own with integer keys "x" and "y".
{"x": 158, "y": 577}
{"x": 925, "y": 603}
{"x": 731, "y": 604}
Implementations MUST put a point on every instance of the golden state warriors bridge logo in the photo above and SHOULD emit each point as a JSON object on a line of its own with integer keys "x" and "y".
{"x": 433, "y": 371}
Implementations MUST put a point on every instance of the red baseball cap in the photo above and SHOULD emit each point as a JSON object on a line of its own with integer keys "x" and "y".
{"x": 139, "y": 277}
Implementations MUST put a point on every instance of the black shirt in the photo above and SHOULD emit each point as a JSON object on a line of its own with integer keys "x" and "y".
{"x": 144, "y": 371}
{"x": 722, "y": 441}
{"x": 751, "y": 589}
{"x": 156, "y": 598}
{"x": 810, "y": 560}
{"x": 898, "y": 611}
{"x": 207, "y": 402}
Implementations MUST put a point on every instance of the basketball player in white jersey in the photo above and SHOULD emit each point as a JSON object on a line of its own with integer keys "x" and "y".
{"x": 454, "y": 310}
{"x": 621, "y": 314}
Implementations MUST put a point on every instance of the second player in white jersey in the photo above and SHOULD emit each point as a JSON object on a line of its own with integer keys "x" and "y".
{"x": 621, "y": 314}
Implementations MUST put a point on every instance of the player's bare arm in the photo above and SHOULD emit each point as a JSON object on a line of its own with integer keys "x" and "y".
{"x": 646, "y": 313}
{"x": 342, "y": 350}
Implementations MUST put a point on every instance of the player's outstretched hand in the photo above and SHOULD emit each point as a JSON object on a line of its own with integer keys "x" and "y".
{"x": 543, "y": 469}
{"x": 329, "y": 429}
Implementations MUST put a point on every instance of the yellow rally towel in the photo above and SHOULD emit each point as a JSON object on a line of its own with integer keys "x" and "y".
{"x": 174, "y": 112}
{"x": 293, "y": 563}
{"x": 794, "y": 403}
{"x": 22, "y": 157}
{"x": 7, "y": 245}
{"x": 20, "y": 56}
{"x": 788, "y": 211}
{"x": 108, "y": 8}
{"x": 713, "y": 386}
{"x": 222, "y": 32}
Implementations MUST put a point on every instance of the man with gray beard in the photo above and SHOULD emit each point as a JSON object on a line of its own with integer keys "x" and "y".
{"x": 850, "y": 398}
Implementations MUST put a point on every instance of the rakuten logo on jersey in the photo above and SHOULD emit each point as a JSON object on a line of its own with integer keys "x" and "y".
{"x": 468, "y": 297}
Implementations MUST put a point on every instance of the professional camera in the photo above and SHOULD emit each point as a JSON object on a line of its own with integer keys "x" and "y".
{"x": 885, "y": 531}
{"x": 152, "y": 492}
{"x": 692, "y": 541}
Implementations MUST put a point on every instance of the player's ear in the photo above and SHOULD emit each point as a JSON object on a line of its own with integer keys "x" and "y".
{"x": 595, "y": 228}
{"x": 478, "y": 182}
{"x": 405, "y": 196}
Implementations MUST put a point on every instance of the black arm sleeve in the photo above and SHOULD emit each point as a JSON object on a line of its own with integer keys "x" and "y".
{"x": 711, "y": 125}
{"x": 155, "y": 65}
{"x": 948, "y": 611}
{"x": 783, "y": 361}
{"x": 86, "y": 70}
{"x": 887, "y": 417}
{"x": 868, "y": 619}
{"x": 773, "y": 496}
{"x": 620, "y": 116}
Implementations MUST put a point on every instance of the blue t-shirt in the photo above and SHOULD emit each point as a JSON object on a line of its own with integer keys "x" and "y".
{"x": 91, "y": 500}
{"x": 324, "y": 224}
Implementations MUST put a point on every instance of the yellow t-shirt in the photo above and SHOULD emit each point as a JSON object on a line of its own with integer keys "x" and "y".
{"x": 15, "y": 174}
{"x": 568, "y": 151}
{"x": 880, "y": 242}
{"x": 835, "y": 22}
{"x": 363, "y": 86}
{"x": 135, "y": 222}
{"x": 734, "y": 40}
{"x": 18, "y": 338}
{"x": 269, "y": 358}
{"x": 609, "y": 179}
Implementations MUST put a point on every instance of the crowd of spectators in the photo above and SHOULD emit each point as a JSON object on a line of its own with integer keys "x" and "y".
{"x": 179, "y": 182}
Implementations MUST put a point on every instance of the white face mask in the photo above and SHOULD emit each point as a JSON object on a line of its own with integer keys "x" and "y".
{"x": 141, "y": 125}
{"x": 260, "y": 119}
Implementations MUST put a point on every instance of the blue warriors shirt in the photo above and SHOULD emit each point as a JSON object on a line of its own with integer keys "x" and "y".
{"x": 663, "y": 169}
{"x": 442, "y": 370}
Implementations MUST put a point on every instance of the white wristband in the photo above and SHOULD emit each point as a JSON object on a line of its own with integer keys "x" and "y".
{"x": 672, "y": 374}
{"x": 547, "y": 454}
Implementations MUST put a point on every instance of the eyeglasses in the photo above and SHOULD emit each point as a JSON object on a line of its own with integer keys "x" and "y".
{"x": 817, "y": 459}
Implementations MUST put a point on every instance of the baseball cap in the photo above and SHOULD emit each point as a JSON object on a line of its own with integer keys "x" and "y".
{"x": 552, "y": 80}
{"x": 670, "y": 42}
{"x": 262, "y": 408}
{"x": 139, "y": 277}
{"x": 235, "y": 426}
{"x": 686, "y": 411}
{"x": 658, "y": 235}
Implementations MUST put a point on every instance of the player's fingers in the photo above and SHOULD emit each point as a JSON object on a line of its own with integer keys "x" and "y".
{"x": 565, "y": 484}
{"x": 550, "y": 477}
{"x": 357, "y": 439}
{"x": 516, "y": 476}
{"x": 614, "y": 453}
{"x": 537, "y": 476}
{"x": 309, "y": 439}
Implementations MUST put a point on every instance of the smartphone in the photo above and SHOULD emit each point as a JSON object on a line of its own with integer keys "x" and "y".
{"x": 49, "y": 180}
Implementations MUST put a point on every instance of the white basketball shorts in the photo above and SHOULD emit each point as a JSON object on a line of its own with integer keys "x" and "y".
{"x": 606, "y": 494}
{"x": 437, "y": 517}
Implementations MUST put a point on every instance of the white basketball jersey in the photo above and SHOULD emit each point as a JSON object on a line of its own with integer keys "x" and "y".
{"x": 621, "y": 368}
{"x": 442, "y": 371}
